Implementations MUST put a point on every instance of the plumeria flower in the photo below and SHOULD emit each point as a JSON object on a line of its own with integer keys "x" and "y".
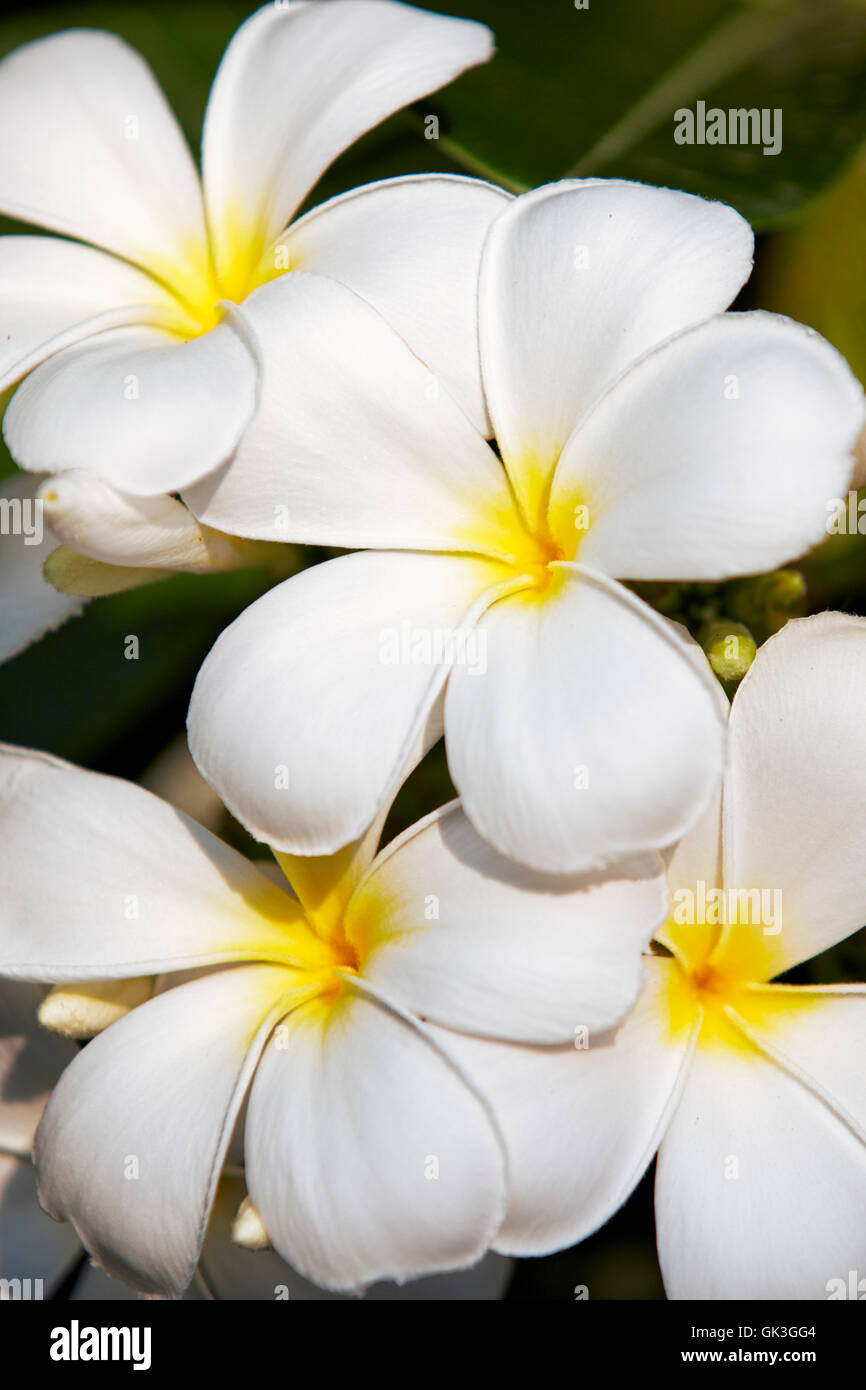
{"x": 367, "y": 1155}
{"x": 644, "y": 435}
{"x": 751, "y": 1088}
{"x": 38, "y": 1255}
{"x": 123, "y": 326}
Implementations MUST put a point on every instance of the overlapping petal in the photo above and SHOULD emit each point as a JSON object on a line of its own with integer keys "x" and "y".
{"x": 794, "y": 793}
{"x": 56, "y": 292}
{"x": 368, "y": 1155}
{"x": 354, "y": 442}
{"x": 153, "y": 892}
{"x": 229, "y": 1271}
{"x": 297, "y": 84}
{"x": 579, "y": 279}
{"x": 580, "y": 1123}
{"x": 145, "y": 410}
{"x": 133, "y": 1139}
{"x": 412, "y": 248}
{"x": 459, "y": 935}
{"x": 308, "y": 707}
{"x": 751, "y": 1160}
{"x": 591, "y": 733}
{"x": 91, "y": 149}
{"x": 98, "y": 521}
{"x": 714, "y": 456}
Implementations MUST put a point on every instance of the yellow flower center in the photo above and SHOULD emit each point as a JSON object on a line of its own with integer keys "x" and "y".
{"x": 198, "y": 289}
{"x": 718, "y": 958}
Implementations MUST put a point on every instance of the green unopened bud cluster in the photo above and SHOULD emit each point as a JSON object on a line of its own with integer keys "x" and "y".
{"x": 730, "y": 648}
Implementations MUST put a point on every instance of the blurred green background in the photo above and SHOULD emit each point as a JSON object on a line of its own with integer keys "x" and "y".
{"x": 574, "y": 90}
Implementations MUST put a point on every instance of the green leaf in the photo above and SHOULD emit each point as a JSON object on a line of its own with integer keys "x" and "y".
{"x": 578, "y": 92}
{"x": 87, "y": 693}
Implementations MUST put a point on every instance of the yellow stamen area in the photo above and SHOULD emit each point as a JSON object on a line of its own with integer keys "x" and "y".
{"x": 716, "y": 970}
{"x": 528, "y": 533}
{"x": 529, "y": 555}
{"x": 310, "y": 944}
{"x": 198, "y": 288}
{"x": 706, "y": 995}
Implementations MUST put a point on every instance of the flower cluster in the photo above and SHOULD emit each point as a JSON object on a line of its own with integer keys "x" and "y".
{"x": 389, "y": 1058}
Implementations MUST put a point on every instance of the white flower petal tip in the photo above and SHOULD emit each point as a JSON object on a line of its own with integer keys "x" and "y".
{"x": 723, "y": 446}
{"x": 94, "y": 519}
{"x": 232, "y": 1272}
{"x": 632, "y": 264}
{"x": 319, "y": 76}
{"x": 147, "y": 411}
{"x": 423, "y": 1141}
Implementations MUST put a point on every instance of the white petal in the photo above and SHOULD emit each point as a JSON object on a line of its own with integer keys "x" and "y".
{"x": 298, "y": 84}
{"x": 794, "y": 793}
{"x": 591, "y": 733}
{"x": 715, "y": 456}
{"x": 580, "y": 279}
{"x": 354, "y": 442}
{"x": 104, "y": 881}
{"x": 31, "y": 606}
{"x": 233, "y": 1273}
{"x": 96, "y": 520}
{"x": 457, "y": 934}
{"x": 57, "y": 292}
{"x": 31, "y": 1060}
{"x": 305, "y": 712}
{"x": 144, "y": 410}
{"x": 32, "y": 1246}
{"x": 133, "y": 1139}
{"x": 580, "y": 1123}
{"x": 92, "y": 149}
{"x": 815, "y": 1032}
{"x": 412, "y": 248}
{"x": 750, "y": 1162}
{"x": 367, "y": 1154}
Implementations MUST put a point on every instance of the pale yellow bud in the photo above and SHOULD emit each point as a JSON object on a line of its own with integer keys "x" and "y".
{"x": 86, "y": 1008}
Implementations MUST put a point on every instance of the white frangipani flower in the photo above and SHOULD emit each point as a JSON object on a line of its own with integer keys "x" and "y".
{"x": 366, "y": 1153}
{"x": 44, "y": 1252}
{"x": 645, "y": 435}
{"x": 136, "y": 366}
{"x": 753, "y": 1092}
